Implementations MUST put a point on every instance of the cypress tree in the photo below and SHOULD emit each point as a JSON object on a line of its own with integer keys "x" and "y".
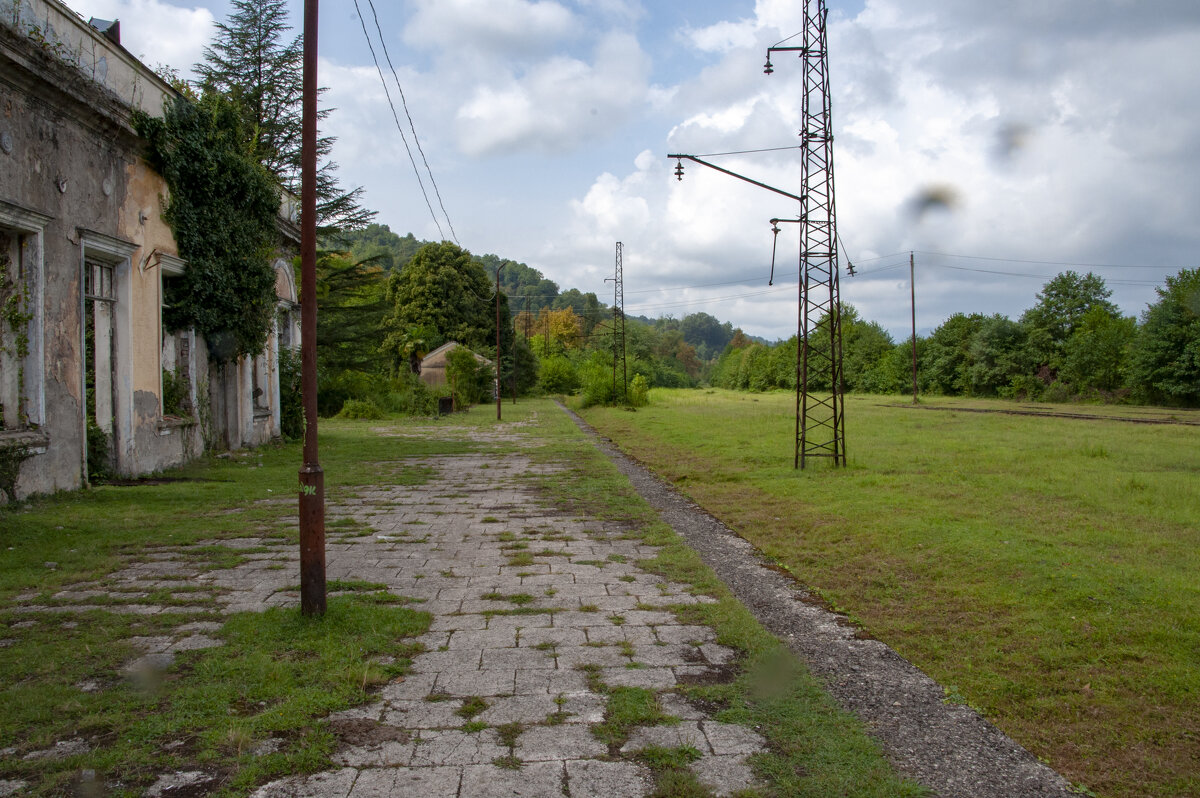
{"x": 252, "y": 61}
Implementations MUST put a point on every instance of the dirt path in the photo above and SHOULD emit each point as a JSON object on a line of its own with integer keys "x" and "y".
{"x": 945, "y": 746}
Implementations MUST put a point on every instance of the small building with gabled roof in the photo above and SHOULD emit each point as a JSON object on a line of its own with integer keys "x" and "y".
{"x": 433, "y": 365}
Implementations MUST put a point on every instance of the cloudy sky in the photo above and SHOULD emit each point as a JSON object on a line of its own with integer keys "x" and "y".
{"x": 1061, "y": 132}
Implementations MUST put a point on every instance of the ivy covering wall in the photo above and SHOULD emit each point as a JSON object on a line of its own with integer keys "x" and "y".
{"x": 222, "y": 210}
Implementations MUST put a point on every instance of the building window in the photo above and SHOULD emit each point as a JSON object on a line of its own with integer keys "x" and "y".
{"x": 100, "y": 304}
{"x": 176, "y": 396}
{"x": 106, "y": 339}
{"x": 262, "y": 383}
{"x": 21, "y": 280}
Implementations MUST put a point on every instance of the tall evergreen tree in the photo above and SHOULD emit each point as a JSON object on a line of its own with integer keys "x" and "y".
{"x": 252, "y": 62}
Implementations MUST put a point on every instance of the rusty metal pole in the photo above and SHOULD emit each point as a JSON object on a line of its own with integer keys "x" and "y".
{"x": 912, "y": 287}
{"x": 498, "y": 268}
{"x": 514, "y": 350}
{"x": 312, "y": 478}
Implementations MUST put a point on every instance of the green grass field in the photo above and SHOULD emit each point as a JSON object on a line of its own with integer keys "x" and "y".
{"x": 1046, "y": 570}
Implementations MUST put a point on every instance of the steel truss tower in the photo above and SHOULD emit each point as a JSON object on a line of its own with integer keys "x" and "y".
{"x": 619, "y": 329}
{"x": 820, "y": 401}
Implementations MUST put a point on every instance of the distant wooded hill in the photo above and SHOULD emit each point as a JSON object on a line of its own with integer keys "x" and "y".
{"x": 529, "y": 290}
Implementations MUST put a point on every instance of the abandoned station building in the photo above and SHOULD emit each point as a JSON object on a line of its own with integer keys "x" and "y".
{"x": 84, "y": 255}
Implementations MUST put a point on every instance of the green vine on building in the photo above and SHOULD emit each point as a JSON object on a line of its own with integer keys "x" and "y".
{"x": 14, "y": 314}
{"x": 14, "y": 301}
{"x": 222, "y": 210}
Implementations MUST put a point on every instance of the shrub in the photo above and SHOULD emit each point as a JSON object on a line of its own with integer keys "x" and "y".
{"x": 291, "y": 399}
{"x": 99, "y": 453}
{"x": 409, "y": 396}
{"x": 333, "y": 391}
{"x": 176, "y": 390}
{"x": 558, "y": 375}
{"x": 470, "y": 381}
{"x": 360, "y": 408}
{"x": 639, "y": 391}
{"x": 596, "y": 382}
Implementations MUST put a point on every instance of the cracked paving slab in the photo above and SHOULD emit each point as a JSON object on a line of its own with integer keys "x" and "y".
{"x": 500, "y": 702}
{"x": 531, "y": 606}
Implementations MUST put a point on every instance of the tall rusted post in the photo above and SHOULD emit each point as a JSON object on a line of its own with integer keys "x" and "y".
{"x": 498, "y": 268}
{"x": 912, "y": 287}
{"x": 312, "y": 478}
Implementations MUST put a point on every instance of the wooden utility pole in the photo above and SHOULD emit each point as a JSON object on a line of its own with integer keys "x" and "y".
{"x": 312, "y": 478}
{"x": 912, "y": 288}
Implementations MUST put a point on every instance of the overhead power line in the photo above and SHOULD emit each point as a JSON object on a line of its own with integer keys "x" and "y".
{"x": 396, "y": 117}
{"x": 404, "y": 102}
{"x": 729, "y": 298}
{"x": 745, "y": 152}
{"x": 1028, "y": 275}
{"x": 1039, "y": 262}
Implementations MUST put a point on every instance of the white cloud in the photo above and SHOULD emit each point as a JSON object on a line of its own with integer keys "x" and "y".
{"x": 723, "y": 36}
{"x": 614, "y": 207}
{"x": 157, "y": 32}
{"x": 624, "y": 10}
{"x": 1057, "y": 151}
{"x": 511, "y": 27}
{"x": 557, "y": 104}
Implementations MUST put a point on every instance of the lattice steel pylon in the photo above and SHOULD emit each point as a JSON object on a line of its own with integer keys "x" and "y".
{"x": 619, "y": 364}
{"x": 820, "y": 411}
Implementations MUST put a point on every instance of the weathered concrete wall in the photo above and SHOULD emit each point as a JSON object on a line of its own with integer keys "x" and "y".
{"x": 70, "y": 156}
{"x": 74, "y": 187}
{"x": 66, "y": 35}
{"x": 55, "y": 164}
{"x": 158, "y": 443}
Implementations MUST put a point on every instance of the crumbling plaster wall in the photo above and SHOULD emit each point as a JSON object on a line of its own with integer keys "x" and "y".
{"x": 71, "y": 166}
{"x": 157, "y": 442}
{"x": 71, "y": 155}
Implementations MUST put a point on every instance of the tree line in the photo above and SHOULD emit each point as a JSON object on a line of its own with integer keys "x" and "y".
{"x": 385, "y": 301}
{"x": 1072, "y": 344}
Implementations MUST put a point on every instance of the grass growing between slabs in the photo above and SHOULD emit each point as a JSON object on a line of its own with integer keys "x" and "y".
{"x": 1043, "y": 569}
{"x": 813, "y": 747}
{"x": 50, "y": 542}
{"x": 244, "y": 712}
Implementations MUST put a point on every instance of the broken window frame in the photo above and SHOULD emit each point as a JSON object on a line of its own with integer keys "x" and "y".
{"x": 107, "y": 251}
{"x": 24, "y": 229}
{"x": 175, "y": 348}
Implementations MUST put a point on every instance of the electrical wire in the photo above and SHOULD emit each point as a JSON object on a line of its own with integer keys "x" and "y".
{"x": 747, "y": 152}
{"x": 1031, "y": 276}
{"x": 686, "y": 303}
{"x": 880, "y": 269}
{"x": 404, "y": 102}
{"x": 395, "y": 116}
{"x": 788, "y": 39}
{"x": 1038, "y": 262}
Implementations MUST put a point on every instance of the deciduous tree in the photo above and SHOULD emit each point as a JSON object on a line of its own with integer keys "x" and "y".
{"x": 443, "y": 289}
{"x": 1165, "y": 361}
{"x": 1061, "y": 307}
